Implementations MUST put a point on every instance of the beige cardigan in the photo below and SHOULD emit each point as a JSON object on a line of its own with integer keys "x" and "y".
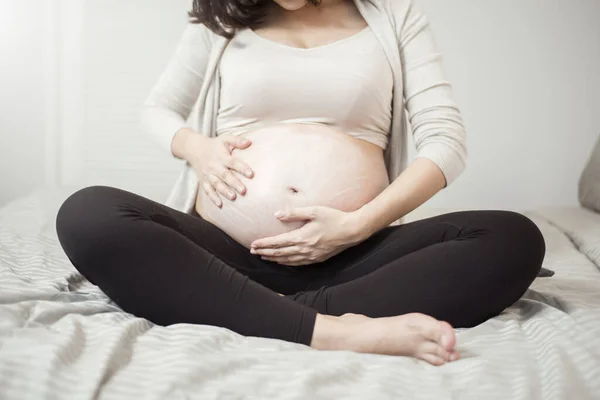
{"x": 187, "y": 94}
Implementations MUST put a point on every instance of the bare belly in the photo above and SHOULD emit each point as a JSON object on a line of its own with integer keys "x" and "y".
{"x": 296, "y": 165}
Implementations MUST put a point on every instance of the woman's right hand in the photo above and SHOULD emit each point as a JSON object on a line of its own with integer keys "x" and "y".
{"x": 214, "y": 164}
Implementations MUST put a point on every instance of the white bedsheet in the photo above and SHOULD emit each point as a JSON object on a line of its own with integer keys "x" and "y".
{"x": 61, "y": 338}
{"x": 581, "y": 225}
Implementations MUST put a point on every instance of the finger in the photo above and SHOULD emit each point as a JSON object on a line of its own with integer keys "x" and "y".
{"x": 297, "y": 264}
{"x": 221, "y": 187}
{"x": 238, "y": 142}
{"x": 239, "y": 166}
{"x": 298, "y": 214}
{"x": 278, "y": 252}
{"x": 227, "y": 146}
{"x": 283, "y": 240}
{"x": 289, "y": 259}
{"x": 235, "y": 183}
{"x": 210, "y": 192}
{"x": 289, "y": 264}
{"x": 303, "y": 259}
{"x": 292, "y": 263}
{"x": 230, "y": 181}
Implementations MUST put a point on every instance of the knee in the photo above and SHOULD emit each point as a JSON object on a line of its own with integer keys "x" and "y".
{"x": 521, "y": 238}
{"x": 82, "y": 217}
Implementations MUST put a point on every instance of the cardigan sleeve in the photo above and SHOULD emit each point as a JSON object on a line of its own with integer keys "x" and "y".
{"x": 435, "y": 119}
{"x": 172, "y": 98}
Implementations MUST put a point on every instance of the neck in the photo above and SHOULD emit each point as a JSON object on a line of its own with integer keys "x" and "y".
{"x": 309, "y": 14}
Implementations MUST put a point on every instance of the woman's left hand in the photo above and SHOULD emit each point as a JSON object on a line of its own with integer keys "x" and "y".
{"x": 327, "y": 232}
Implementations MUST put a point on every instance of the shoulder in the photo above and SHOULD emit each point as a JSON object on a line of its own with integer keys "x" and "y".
{"x": 396, "y": 8}
{"x": 199, "y": 34}
{"x": 399, "y": 11}
{"x": 405, "y": 16}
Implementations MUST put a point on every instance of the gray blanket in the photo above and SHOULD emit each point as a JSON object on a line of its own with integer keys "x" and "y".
{"x": 60, "y": 337}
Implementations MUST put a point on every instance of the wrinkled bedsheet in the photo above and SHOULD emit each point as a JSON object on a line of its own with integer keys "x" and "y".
{"x": 581, "y": 225}
{"x": 61, "y": 338}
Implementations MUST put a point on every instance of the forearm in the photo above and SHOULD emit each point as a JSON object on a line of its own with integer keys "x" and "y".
{"x": 413, "y": 187}
{"x": 169, "y": 130}
{"x": 162, "y": 123}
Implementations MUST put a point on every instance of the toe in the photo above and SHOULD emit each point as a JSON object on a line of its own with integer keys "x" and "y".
{"x": 438, "y": 331}
{"x": 447, "y": 337}
{"x": 435, "y": 349}
{"x": 432, "y": 359}
{"x": 429, "y": 327}
{"x": 454, "y": 355}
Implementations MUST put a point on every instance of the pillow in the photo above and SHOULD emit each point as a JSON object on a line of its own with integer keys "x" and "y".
{"x": 589, "y": 184}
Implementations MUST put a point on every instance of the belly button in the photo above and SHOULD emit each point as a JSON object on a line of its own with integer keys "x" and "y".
{"x": 293, "y": 190}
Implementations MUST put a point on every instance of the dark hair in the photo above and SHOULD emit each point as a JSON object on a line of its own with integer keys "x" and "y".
{"x": 225, "y": 16}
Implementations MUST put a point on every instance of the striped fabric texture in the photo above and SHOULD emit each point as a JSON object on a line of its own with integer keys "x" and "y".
{"x": 62, "y": 338}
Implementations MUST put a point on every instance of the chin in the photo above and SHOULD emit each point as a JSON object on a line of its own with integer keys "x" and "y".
{"x": 291, "y": 5}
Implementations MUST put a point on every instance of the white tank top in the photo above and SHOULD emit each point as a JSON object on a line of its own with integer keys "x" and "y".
{"x": 346, "y": 84}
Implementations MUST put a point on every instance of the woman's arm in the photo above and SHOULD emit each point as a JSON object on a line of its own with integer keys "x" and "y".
{"x": 413, "y": 187}
{"x": 170, "y": 101}
{"x": 438, "y": 129}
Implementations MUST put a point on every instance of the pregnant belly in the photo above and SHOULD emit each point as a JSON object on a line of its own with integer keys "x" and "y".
{"x": 296, "y": 165}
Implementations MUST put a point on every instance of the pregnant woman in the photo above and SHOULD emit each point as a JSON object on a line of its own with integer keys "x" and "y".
{"x": 286, "y": 221}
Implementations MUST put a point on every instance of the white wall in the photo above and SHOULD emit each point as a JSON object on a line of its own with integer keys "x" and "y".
{"x": 22, "y": 117}
{"x": 525, "y": 72}
{"x": 526, "y": 75}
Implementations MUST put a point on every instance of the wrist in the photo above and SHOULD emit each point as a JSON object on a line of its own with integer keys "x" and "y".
{"x": 359, "y": 226}
{"x": 179, "y": 143}
{"x": 186, "y": 144}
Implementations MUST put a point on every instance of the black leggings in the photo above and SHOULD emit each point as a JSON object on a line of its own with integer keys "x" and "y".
{"x": 170, "y": 267}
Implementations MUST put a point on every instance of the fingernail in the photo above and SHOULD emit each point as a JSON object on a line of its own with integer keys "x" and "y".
{"x": 245, "y": 141}
{"x": 240, "y": 189}
{"x": 230, "y": 195}
{"x": 278, "y": 214}
{"x": 248, "y": 173}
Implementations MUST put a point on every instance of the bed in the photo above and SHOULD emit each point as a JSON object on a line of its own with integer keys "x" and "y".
{"x": 62, "y": 338}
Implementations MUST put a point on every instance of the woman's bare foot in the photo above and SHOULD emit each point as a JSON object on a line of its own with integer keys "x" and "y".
{"x": 414, "y": 335}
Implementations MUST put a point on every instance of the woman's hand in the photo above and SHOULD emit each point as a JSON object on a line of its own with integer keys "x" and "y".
{"x": 214, "y": 164}
{"x": 327, "y": 232}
